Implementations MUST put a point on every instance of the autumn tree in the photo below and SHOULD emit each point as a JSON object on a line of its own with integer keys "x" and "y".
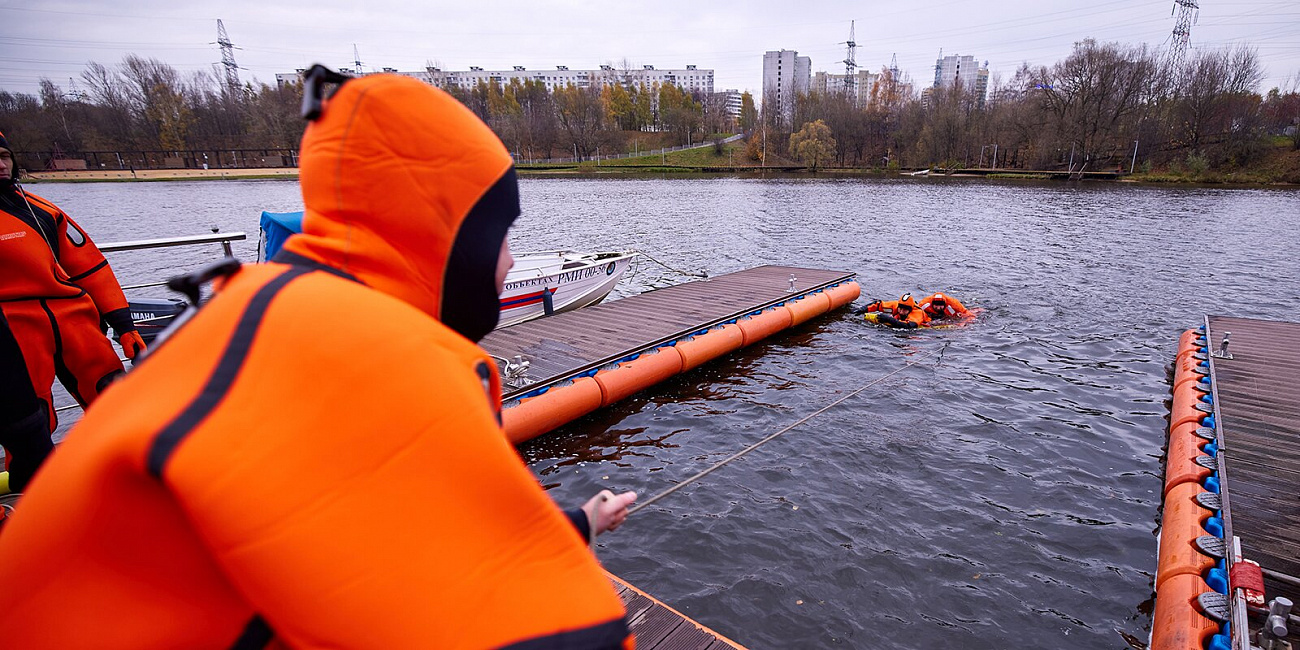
{"x": 812, "y": 145}
{"x": 748, "y": 120}
{"x": 581, "y": 116}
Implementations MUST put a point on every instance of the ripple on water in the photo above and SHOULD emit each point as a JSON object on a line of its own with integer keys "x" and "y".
{"x": 1002, "y": 494}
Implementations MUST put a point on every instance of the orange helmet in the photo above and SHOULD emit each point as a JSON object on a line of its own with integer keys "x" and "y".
{"x": 907, "y": 300}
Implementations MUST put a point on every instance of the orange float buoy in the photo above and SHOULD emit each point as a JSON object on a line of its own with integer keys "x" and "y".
{"x": 1180, "y": 527}
{"x": 1187, "y": 369}
{"x": 1190, "y": 392}
{"x": 1185, "y": 411}
{"x": 562, "y": 404}
{"x": 629, "y": 377}
{"x": 807, "y": 307}
{"x": 1181, "y": 465}
{"x": 1178, "y": 624}
{"x": 843, "y": 294}
{"x": 761, "y": 326}
{"x": 710, "y": 345}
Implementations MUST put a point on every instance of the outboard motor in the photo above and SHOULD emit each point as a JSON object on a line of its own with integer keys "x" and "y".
{"x": 153, "y": 315}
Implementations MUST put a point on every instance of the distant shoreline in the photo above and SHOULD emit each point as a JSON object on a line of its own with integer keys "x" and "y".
{"x": 126, "y": 175}
{"x": 591, "y": 170}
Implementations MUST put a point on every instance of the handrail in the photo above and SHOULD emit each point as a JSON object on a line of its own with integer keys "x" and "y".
{"x": 166, "y": 242}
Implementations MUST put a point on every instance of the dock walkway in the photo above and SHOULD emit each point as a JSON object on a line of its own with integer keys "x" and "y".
{"x": 657, "y": 626}
{"x": 1259, "y": 406}
{"x": 566, "y": 345}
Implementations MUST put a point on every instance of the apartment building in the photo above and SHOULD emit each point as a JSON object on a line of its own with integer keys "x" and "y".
{"x": 955, "y": 69}
{"x": 690, "y": 79}
{"x": 785, "y": 74}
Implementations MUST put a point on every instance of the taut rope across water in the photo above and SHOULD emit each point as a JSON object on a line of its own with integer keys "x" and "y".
{"x": 774, "y": 436}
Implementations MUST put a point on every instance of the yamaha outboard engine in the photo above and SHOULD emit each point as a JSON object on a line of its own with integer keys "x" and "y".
{"x": 153, "y": 315}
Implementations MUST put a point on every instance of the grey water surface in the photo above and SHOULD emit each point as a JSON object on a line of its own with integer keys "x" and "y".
{"x": 1002, "y": 492}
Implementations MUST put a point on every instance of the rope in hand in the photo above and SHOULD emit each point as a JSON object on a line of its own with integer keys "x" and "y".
{"x": 674, "y": 270}
{"x": 772, "y": 437}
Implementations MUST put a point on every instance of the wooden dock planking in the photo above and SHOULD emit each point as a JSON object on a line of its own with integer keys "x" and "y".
{"x": 659, "y": 627}
{"x": 1259, "y": 406}
{"x": 564, "y": 344}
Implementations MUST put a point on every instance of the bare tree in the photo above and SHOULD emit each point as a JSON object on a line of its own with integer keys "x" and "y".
{"x": 1093, "y": 90}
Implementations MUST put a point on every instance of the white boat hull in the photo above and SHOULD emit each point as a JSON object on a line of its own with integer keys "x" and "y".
{"x": 559, "y": 281}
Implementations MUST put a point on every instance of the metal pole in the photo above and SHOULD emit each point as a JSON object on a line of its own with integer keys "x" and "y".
{"x": 1133, "y": 164}
{"x": 995, "y": 156}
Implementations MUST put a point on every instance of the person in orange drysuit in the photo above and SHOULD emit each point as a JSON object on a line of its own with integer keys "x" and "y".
{"x": 939, "y": 306}
{"x": 56, "y": 290}
{"x": 898, "y": 313}
{"x": 303, "y": 477}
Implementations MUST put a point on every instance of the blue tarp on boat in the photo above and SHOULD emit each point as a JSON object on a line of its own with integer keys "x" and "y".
{"x": 276, "y": 228}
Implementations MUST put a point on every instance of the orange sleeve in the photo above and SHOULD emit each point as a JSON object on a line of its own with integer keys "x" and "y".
{"x": 956, "y": 305}
{"x": 86, "y": 266}
{"x": 357, "y": 489}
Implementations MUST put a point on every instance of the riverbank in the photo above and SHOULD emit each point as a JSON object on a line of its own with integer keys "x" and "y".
{"x": 1280, "y": 167}
{"x": 127, "y": 175}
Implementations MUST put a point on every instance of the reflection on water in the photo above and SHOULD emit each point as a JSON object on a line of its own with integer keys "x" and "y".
{"x": 1000, "y": 494}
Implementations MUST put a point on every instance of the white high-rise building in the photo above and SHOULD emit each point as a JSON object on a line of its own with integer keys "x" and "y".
{"x": 732, "y": 100}
{"x": 785, "y": 74}
{"x": 864, "y": 82}
{"x": 954, "y": 69}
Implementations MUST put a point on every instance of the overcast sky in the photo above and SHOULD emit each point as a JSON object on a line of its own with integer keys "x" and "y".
{"x": 56, "y": 38}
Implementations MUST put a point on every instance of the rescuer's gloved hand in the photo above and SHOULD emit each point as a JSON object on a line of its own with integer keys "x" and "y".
{"x": 132, "y": 344}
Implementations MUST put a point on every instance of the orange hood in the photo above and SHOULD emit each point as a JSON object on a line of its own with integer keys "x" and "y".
{"x": 408, "y": 191}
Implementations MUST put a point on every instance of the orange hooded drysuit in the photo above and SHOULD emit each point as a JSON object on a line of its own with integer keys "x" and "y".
{"x": 55, "y": 290}
{"x": 321, "y": 462}
{"x": 939, "y": 305}
{"x": 903, "y": 311}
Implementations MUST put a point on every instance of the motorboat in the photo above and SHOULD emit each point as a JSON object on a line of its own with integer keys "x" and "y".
{"x": 550, "y": 282}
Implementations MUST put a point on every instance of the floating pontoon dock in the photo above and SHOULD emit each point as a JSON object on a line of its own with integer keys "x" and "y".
{"x": 561, "y": 367}
{"x": 1230, "y": 534}
{"x": 657, "y": 626}
{"x": 1257, "y": 391}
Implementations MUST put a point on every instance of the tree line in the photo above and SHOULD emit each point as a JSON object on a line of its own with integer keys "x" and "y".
{"x": 1105, "y": 106}
{"x": 146, "y": 105}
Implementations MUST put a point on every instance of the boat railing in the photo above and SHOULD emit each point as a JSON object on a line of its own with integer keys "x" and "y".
{"x": 223, "y": 238}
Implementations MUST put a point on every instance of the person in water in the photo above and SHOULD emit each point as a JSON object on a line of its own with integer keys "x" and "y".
{"x": 897, "y": 313}
{"x": 315, "y": 458}
{"x": 56, "y": 291}
{"x": 939, "y": 306}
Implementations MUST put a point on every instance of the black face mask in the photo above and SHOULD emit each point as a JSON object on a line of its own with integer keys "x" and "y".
{"x": 470, "y": 303}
